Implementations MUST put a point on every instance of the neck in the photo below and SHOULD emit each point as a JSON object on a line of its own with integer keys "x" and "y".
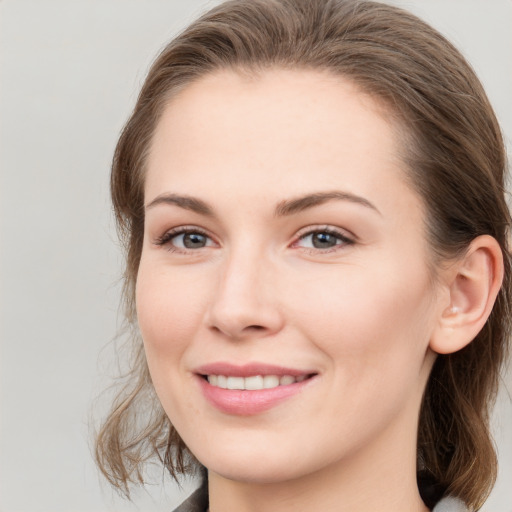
{"x": 316, "y": 494}
{"x": 379, "y": 478}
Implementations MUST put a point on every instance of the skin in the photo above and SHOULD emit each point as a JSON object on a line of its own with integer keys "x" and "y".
{"x": 361, "y": 314}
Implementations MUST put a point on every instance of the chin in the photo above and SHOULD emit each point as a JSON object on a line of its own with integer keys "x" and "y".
{"x": 258, "y": 472}
{"x": 258, "y": 467}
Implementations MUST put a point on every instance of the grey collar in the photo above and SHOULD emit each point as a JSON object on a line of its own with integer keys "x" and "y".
{"x": 450, "y": 504}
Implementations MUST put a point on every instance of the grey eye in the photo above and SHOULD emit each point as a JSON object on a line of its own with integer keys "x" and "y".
{"x": 324, "y": 240}
{"x": 190, "y": 240}
{"x": 321, "y": 240}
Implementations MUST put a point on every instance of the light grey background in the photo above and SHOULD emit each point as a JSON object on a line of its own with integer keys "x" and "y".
{"x": 70, "y": 72}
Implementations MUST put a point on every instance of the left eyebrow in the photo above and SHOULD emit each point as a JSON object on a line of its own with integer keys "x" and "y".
{"x": 291, "y": 206}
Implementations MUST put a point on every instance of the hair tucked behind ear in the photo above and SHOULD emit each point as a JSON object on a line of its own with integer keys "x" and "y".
{"x": 456, "y": 159}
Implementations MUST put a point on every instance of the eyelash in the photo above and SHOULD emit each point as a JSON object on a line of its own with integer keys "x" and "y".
{"x": 166, "y": 238}
{"x": 339, "y": 235}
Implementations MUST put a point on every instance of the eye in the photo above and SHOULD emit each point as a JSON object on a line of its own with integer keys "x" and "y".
{"x": 190, "y": 240}
{"x": 184, "y": 239}
{"x": 323, "y": 239}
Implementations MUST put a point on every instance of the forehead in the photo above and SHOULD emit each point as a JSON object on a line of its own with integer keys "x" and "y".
{"x": 280, "y": 129}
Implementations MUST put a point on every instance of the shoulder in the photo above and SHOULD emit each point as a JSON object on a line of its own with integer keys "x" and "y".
{"x": 450, "y": 504}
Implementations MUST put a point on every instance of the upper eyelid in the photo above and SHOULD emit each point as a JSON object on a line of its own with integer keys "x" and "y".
{"x": 187, "y": 229}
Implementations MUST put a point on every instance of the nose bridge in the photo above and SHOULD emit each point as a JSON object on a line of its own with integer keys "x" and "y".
{"x": 245, "y": 301}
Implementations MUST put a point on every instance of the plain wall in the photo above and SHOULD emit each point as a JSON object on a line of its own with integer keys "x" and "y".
{"x": 70, "y": 73}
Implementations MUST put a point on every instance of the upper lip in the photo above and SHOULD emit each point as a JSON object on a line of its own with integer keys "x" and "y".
{"x": 249, "y": 369}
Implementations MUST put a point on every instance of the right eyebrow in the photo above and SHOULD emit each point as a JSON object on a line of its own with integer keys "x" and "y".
{"x": 188, "y": 203}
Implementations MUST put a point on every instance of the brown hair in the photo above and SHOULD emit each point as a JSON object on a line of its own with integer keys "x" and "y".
{"x": 457, "y": 163}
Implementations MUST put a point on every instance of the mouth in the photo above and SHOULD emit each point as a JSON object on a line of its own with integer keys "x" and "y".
{"x": 251, "y": 389}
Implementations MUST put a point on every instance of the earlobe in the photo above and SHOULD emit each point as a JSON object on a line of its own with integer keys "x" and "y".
{"x": 473, "y": 283}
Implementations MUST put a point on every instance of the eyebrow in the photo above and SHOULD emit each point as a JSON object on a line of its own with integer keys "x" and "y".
{"x": 291, "y": 206}
{"x": 283, "y": 209}
{"x": 185, "y": 202}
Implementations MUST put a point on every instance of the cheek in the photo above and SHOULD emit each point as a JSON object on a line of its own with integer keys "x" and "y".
{"x": 369, "y": 320}
{"x": 169, "y": 310}
{"x": 374, "y": 332}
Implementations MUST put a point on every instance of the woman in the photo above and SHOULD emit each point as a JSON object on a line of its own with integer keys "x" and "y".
{"x": 318, "y": 278}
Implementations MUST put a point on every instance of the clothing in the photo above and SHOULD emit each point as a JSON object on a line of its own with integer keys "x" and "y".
{"x": 450, "y": 504}
{"x": 198, "y": 502}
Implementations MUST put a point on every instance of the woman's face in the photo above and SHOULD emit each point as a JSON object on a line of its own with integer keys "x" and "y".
{"x": 285, "y": 257}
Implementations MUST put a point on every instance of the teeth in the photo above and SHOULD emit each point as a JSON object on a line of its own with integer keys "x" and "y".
{"x": 236, "y": 383}
{"x": 254, "y": 382}
{"x": 222, "y": 381}
{"x": 270, "y": 381}
{"x": 286, "y": 379}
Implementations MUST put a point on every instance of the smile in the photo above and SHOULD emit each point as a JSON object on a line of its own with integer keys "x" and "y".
{"x": 254, "y": 382}
{"x": 252, "y": 388}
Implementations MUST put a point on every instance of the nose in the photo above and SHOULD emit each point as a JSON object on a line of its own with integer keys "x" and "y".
{"x": 244, "y": 303}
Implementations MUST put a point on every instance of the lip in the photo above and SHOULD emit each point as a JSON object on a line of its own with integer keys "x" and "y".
{"x": 249, "y": 402}
{"x": 247, "y": 370}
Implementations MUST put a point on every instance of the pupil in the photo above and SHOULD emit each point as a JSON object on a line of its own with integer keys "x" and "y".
{"x": 323, "y": 240}
{"x": 194, "y": 240}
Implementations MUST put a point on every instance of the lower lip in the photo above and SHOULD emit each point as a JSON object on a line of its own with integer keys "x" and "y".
{"x": 245, "y": 402}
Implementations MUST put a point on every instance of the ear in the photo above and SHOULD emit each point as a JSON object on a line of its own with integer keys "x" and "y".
{"x": 473, "y": 283}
